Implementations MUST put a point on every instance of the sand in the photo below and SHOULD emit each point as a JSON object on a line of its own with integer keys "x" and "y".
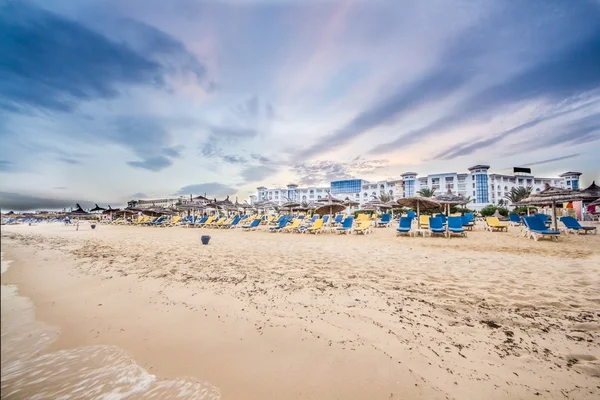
{"x": 287, "y": 316}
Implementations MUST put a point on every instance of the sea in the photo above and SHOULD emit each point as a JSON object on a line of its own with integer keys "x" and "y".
{"x": 30, "y": 370}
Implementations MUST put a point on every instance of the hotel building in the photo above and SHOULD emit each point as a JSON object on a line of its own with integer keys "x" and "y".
{"x": 484, "y": 188}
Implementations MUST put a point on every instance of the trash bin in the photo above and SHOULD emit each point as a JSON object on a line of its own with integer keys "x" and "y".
{"x": 205, "y": 239}
{"x": 93, "y": 226}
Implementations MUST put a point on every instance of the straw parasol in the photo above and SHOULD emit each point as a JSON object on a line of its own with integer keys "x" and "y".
{"x": 417, "y": 203}
{"x": 449, "y": 199}
{"x": 593, "y": 190}
{"x": 78, "y": 212}
{"x": 96, "y": 209}
{"x": 331, "y": 208}
{"x": 552, "y": 195}
{"x": 350, "y": 203}
{"x": 329, "y": 202}
{"x": 290, "y": 205}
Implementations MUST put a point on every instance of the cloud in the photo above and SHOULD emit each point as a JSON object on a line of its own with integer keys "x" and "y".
{"x": 212, "y": 189}
{"x": 76, "y": 64}
{"x": 323, "y": 172}
{"x": 234, "y": 159}
{"x": 139, "y": 196}
{"x": 6, "y": 166}
{"x": 551, "y": 160}
{"x": 70, "y": 161}
{"x": 470, "y": 146}
{"x": 20, "y": 202}
{"x": 153, "y": 164}
{"x": 60, "y": 188}
{"x": 257, "y": 173}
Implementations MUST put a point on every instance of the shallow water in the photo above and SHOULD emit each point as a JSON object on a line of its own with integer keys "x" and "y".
{"x": 29, "y": 371}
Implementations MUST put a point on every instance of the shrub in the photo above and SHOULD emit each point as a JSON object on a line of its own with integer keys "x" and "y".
{"x": 490, "y": 210}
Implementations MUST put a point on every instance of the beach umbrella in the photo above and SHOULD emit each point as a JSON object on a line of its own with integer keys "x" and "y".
{"x": 417, "y": 203}
{"x": 96, "y": 209}
{"x": 552, "y": 195}
{"x": 330, "y": 201}
{"x": 330, "y": 208}
{"x": 350, "y": 203}
{"x": 78, "y": 212}
{"x": 449, "y": 199}
{"x": 593, "y": 190}
{"x": 290, "y": 205}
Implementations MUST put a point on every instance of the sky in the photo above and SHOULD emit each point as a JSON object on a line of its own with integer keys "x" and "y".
{"x": 104, "y": 101}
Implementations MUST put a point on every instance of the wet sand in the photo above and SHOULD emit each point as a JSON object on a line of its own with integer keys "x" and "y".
{"x": 261, "y": 315}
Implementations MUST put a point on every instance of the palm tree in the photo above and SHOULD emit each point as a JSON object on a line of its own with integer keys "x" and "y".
{"x": 426, "y": 192}
{"x": 517, "y": 194}
{"x": 304, "y": 204}
{"x": 385, "y": 198}
{"x": 501, "y": 203}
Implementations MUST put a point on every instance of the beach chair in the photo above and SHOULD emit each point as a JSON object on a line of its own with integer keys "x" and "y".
{"x": 231, "y": 224}
{"x": 338, "y": 219}
{"x": 317, "y": 227}
{"x": 158, "y": 222}
{"x": 252, "y": 226}
{"x": 174, "y": 221}
{"x": 573, "y": 226}
{"x": 206, "y": 221}
{"x": 424, "y": 221}
{"x": 514, "y": 219}
{"x": 544, "y": 218}
{"x": 537, "y": 229}
{"x": 385, "y": 221}
{"x": 493, "y": 224}
{"x": 466, "y": 224}
{"x": 470, "y": 218}
{"x": 363, "y": 227}
{"x": 283, "y": 221}
{"x": 346, "y": 226}
{"x": 411, "y": 214}
{"x": 295, "y": 224}
{"x": 325, "y": 218}
{"x": 404, "y": 227}
{"x": 455, "y": 227}
{"x": 436, "y": 226}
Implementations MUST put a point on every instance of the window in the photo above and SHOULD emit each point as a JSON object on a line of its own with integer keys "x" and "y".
{"x": 346, "y": 186}
{"x": 357, "y": 195}
{"x": 374, "y": 194}
{"x": 312, "y": 191}
{"x": 303, "y": 198}
{"x": 318, "y": 197}
{"x": 391, "y": 192}
{"x": 472, "y": 177}
{"x": 482, "y": 188}
{"x": 473, "y": 185}
{"x": 473, "y": 193}
{"x": 505, "y": 187}
{"x": 382, "y": 187}
{"x": 366, "y": 194}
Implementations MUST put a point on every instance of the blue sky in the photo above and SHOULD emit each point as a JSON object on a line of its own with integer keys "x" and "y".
{"x": 104, "y": 100}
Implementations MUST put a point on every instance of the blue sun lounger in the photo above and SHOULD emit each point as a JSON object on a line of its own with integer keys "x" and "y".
{"x": 346, "y": 226}
{"x": 436, "y": 226}
{"x": 574, "y": 226}
{"x": 385, "y": 220}
{"x": 537, "y": 229}
{"x": 338, "y": 219}
{"x": 455, "y": 226}
{"x": 252, "y": 226}
{"x": 283, "y": 221}
{"x": 515, "y": 220}
{"x": 404, "y": 227}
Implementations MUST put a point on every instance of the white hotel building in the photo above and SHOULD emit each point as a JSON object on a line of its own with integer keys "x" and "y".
{"x": 483, "y": 187}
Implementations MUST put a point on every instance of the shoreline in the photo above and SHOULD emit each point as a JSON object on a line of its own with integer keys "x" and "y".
{"x": 259, "y": 331}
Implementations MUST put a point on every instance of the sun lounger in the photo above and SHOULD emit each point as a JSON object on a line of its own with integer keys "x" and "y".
{"x": 466, "y": 223}
{"x": 317, "y": 227}
{"x": 283, "y": 221}
{"x": 537, "y": 229}
{"x": 346, "y": 226}
{"x": 455, "y": 226}
{"x": 295, "y": 224}
{"x": 404, "y": 227}
{"x": 338, "y": 219}
{"x": 436, "y": 226}
{"x": 364, "y": 227}
{"x": 231, "y": 224}
{"x": 515, "y": 220}
{"x": 424, "y": 221}
{"x": 543, "y": 218}
{"x": 493, "y": 224}
{"x": 573, "y": 226}
{"x": 385, "y": 221}
{"x": 252, "y": 226}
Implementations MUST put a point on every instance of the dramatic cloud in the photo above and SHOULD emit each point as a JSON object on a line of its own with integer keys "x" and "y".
{"x": 212, "y": 189}
{"x": 19, "y": 202}
{"x": 139, "y": 196}
{"x": 551, "y": 160}
{"x": 323, "y": 172}
{"x": 100, "y": 96}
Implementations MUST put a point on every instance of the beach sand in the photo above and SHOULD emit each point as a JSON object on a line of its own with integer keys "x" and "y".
{"x": 256, "y": 315}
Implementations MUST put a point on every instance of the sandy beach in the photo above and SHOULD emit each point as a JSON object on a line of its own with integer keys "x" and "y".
{"x": 256, "y": 315}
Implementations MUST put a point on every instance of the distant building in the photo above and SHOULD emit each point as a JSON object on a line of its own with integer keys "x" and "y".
{"x": 478, "y": 184}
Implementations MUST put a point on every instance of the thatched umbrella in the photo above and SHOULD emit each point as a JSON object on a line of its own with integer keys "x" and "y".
{"x": 96, "y": 209}
{"x": 449, "y": 199}
{"x": 78, "y": 212}
{"x": 290, "y": 205}
{"x": 552, "y": 195}
{"x": 593, "y": 190}
{"x": 329, "y": 202}
{"x": 350, "y": 203}
{"x": 332, "y": 208}
{"x": 417, "y": 203}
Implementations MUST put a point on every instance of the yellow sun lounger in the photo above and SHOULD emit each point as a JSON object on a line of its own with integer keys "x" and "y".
{"x": 316, "y": 228}
{"x": 208, "y": 221}
{"x": 364, "y": 227}
{"x": 424, "y": 221}
{"x": 295, "y": 224}
{"x": 494, "y": 224}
